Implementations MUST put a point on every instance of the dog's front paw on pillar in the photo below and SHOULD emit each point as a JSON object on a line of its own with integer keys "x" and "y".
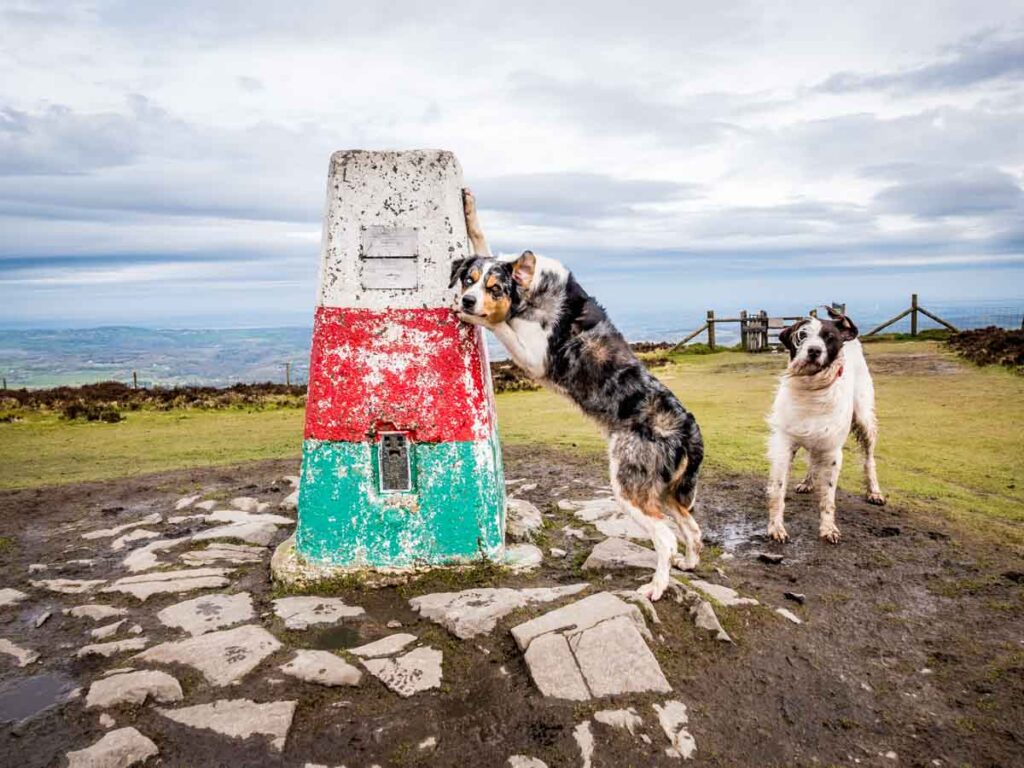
{"x": 829, "y": 533}
{"x": 777, "y": 531}
{"x": 876, "y": 498}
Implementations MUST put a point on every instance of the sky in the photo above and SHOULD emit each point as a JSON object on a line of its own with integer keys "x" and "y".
{"x": 164, "y": 163}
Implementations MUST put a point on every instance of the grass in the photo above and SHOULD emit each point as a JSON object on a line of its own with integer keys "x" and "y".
{"x": 950, "y": 442}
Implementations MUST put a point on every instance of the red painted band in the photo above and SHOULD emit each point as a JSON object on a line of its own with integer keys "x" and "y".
{"x": 420, "y": 370}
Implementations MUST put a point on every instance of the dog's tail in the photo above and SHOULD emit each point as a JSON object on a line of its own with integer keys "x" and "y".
{"x": 683, "y": 487}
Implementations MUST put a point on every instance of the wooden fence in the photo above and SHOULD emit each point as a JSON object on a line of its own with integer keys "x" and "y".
{"x": 760, "y": 333}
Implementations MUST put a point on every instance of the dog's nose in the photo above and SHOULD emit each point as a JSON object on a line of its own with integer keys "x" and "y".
{"x": 813, "y": 353}
{"x": 468, "y": 302}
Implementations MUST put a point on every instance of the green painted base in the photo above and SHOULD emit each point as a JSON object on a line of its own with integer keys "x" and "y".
{"x": 455, "y": 513}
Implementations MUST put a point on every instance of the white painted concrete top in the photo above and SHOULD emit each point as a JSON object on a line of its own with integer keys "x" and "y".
{"x": 393, "y": 224}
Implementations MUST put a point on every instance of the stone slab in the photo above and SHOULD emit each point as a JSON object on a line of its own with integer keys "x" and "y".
{"x": 237, "y": 516}
{"x": 133, "y": 688}
{"x": 615, "y": 553}
{"x": 416, "y": 671}
{"x": 259, "y": 533}
{"x": 69, "y": 586}
{"x": 522, "y": 519}
{"x": 239, "y": 718}
{"x": 554, "y": 670}
{"x": 578, "y": 616}
{"x": 10, "y": 596}
{"x": 208, "y": 613}
{"x": 94, "y": 611}
{"x": 475, "y": 612}
{"x": 110, "y": 649}
{"x": 147, "y": 585}
{"x": 117, "y": 749}
{"x": 223, "y": 657}
{"x": 300, "y": 613}
{"x": 386, "y": 646}
{"x": 236, "y": 554}
{"x": 322, "y": 667}
{"x": 727, "y": 596}
{"x": 23, "y": 656}
{"x": 614, "y": 659}
{"x": 109, "y": 533}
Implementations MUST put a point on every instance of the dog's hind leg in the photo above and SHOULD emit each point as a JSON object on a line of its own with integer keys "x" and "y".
{"x": 691, "y": 537}
{"x": 826, "y": 466}
{"x": 780, "y": 454}
{"x": 865, "y": 427}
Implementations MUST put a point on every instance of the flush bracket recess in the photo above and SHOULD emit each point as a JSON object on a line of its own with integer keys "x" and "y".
{"x": 394, "y": 465}
{"x": 389, "y": 258}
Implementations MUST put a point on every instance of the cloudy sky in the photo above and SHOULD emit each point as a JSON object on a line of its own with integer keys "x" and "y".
{"x": 163, "y": 163}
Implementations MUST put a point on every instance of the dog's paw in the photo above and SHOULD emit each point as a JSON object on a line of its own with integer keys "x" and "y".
{"x": 829, "y": 533}
{"x": 468, "y": 200}
{"x": 777, "y": 531}
{"x": 804, "y": 486}
{"x": 686, "y": 563}
{"x": 652, "y": 590}
{"x": 876, "y": 498}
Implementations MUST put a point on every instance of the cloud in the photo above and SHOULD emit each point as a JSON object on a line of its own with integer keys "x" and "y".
{"x": 976, "y": 60}
{"x": 971, "y": 193}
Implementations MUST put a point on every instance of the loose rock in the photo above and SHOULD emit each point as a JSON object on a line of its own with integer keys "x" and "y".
{"x": 522, "y": 761}
{"x": 208, "y": 613}
{"x": 239, "y": 718}
{"x": 796, "y": 597}
{"x": 300, "y": 613}
{"x": 146, "y": 585}
{"x": 772, "y": 558}
{"x": 223, "y": 657}
{"x": 245, "y": 503}
{"x": 185, "y": 501}
{"x": 118, "y": 749}
{"x": 788, "y": 614}
{"x": 291, "y": 501}
{"x": 418, "y": 670}
{"x": 609, "y": 518}
{"x": 387, "y": 646}
{"x": 475, "y": 612}
{"x": 523, "y": 557}
{"x": 133, "y": 688}
{"x": 144, "y": 558}
{"x": 321, "y": 667}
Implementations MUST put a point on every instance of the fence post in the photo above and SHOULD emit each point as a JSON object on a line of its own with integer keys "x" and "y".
{"x": 135, "y": 379}
{"x": 287, "y": 374}
{"x": 763, "y": 331}
{"x": 913, "y": 314}
{"x": 744, "y": 341}
{"x": 711, "y": 330}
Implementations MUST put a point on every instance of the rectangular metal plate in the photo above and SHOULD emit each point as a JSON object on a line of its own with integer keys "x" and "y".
{"x": 395, "y": 470}
{"x": 389, "y": 258}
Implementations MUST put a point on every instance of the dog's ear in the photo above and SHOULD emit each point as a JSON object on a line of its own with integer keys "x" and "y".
{"x": 845, "y": 326}
{"x": 523, "y": 268}
{"x": 459, "y": 267}
{"x": 847, "y": 330}
{"x": 786, "y": 336}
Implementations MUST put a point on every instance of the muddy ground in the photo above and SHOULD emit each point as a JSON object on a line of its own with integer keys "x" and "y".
{"x": 912, "y": 646}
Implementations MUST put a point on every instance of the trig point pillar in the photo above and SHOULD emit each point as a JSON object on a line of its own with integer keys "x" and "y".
{"x": 401, "y": 465}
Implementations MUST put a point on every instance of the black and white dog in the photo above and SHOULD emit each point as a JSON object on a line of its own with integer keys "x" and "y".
{"x": 825, "y": 391}
{"x": 561, "y": 336}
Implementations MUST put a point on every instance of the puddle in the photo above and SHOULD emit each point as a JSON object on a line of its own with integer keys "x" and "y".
{"x": 27, "y": 697}
{"x": 732, "y": 534}
{"x": 333, "y": 638}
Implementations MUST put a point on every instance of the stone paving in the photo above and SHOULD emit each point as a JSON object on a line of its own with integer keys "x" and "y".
{"x": 223, "y": 638}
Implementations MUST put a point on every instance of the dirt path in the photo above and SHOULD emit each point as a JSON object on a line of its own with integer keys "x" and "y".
{"x": 913, "y": 642}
